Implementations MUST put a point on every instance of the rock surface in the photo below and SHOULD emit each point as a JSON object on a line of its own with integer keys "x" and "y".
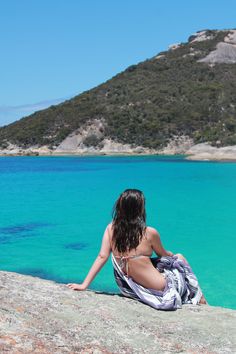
{"x": 225, "y": 52}
{"x": 205, "y": 151}
{"x": 74, "y": 144}
{"x": 40, "y": 316}
{"x": 178, "y": 146}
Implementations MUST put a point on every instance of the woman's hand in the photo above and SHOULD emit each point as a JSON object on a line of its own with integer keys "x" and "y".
{"x": 78, "y": 287}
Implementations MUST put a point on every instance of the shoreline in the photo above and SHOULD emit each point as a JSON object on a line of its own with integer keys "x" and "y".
{"x": 189, "y": 151}
{"x": 188, "y": 157}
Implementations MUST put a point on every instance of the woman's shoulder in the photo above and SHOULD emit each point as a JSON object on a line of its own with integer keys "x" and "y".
{"x": 110, "y": 227}
{"x": 109, "y": 230}
{"x": 151, "y": 231}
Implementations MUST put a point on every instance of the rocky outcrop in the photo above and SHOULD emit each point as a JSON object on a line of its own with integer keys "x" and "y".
{"x": 14, "y": 150}
{"x": 205, "y": 151}
{"x": 179, "y": 145}
{"x": 40, "y": 316}
{"x": 201, "y": 36}
{"x": 81, "y": 142}
{"x": 89, "y": 139}
{"x": 105, "y": 147}
{"x": 75, "y": 144}
{"x": 225, "y": 51}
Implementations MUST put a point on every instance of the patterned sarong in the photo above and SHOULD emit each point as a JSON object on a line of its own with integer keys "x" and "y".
{"x": 181, "y": 285}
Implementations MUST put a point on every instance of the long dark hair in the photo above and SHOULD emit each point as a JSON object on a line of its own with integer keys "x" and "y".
{"x": 129, "y": 220}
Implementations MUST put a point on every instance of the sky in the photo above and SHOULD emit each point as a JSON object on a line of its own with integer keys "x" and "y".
{"x": 52, "y": 50}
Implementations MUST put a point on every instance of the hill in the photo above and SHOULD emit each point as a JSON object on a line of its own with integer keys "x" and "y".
{"x": 186, "y": 93}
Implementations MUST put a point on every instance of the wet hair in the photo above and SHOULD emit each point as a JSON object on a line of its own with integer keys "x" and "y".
{"x": 129, "y": 220}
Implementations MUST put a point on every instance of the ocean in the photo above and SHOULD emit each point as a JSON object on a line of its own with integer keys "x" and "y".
{"x": 54, "y": 211}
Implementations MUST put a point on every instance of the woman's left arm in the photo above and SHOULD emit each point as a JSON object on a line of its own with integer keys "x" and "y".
{"x": 98, "y": 263}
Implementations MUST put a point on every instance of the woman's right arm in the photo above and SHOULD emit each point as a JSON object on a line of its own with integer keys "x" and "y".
{"x": 98, "y": 263}
{"x": 156, "y": 243}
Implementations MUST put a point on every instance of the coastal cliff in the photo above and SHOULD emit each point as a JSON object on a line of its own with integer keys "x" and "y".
{"x": 40, "y": 316}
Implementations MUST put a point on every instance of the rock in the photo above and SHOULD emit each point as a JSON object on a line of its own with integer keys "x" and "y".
{"x": 177, "y": 145}
{"x": 112, "y": 147}
{"x": 225, "y": 51}
{"x": 14, "y": 150}
{"x": 205, "y": 151}
{"x": 73, "y": 145}
{"x": 40, "y": 316}
{"x": 174, "y": 46}
{"x": 231, "y": 37}
{"x": 200, "y": 36}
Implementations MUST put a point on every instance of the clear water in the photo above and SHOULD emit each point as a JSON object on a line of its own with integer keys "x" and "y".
{"x": 54, "y": 211}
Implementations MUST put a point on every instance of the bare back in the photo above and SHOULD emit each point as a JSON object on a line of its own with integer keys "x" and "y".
{"x": 137, "y": 261}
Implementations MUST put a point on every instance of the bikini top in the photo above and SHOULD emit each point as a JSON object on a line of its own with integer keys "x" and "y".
{"x": 124, "y": 264}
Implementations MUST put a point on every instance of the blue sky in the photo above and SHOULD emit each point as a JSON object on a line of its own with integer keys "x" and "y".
{"x": 52, "y": 50}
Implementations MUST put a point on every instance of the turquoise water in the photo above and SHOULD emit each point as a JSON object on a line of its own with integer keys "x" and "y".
{"x": 54, "y": 211}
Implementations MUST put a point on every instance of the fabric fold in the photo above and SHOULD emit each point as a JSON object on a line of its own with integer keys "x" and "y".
{"x": 181, "y": 285}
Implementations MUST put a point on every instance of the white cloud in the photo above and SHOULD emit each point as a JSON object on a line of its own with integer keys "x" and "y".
{"x": 9, "y": 114}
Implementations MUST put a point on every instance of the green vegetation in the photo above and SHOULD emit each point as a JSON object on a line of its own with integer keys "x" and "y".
{"x": 146, "y": 104}
{"x": 92, "y": 140}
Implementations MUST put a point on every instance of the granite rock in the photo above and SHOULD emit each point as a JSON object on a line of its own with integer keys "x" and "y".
{"x": 40, "y": 316}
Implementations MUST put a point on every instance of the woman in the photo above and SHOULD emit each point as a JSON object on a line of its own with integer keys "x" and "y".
{"x": 165, "y": 282}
